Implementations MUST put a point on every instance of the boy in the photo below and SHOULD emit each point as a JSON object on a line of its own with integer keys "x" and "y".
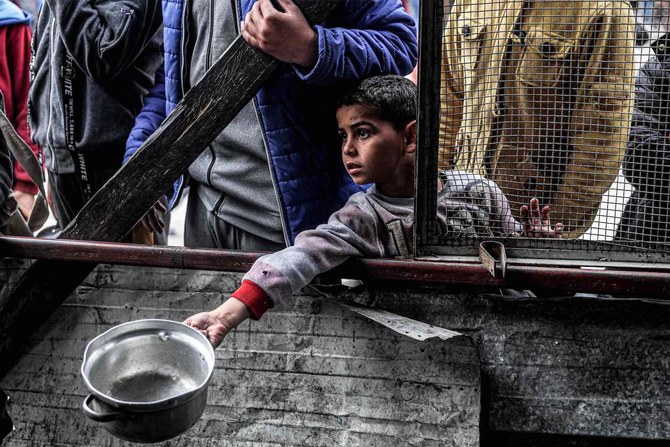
{"x": 377, "y": 124}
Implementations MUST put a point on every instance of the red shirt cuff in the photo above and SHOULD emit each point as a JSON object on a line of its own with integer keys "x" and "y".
{"x": 255, "y": 298}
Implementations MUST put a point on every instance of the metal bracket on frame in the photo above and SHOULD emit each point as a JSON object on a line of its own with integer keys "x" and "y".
{"x": 493, "y": 256}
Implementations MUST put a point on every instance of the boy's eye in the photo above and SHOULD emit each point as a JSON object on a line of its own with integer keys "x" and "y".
{"x": 363, "y": 133}
{"x": 343, "y": 136}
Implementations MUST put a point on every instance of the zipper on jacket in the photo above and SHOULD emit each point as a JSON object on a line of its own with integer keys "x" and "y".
{"x": 208, "y": 64}
{"x": 210, "y": 167}
{"x": 182, "y": 45}
{"x": 273, "y": 177}
{"x": 210, "y": 37}
{"x": 280, "y": 203}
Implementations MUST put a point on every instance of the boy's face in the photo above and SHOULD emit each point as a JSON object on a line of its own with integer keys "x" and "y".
{"x": 374, "y": 151}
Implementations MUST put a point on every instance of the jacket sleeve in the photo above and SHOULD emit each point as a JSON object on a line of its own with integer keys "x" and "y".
{"x": 18, "y": 53}
{"x": 105, "y": 37}
{"x": 362, "y": 39}
{"x": 350, "y": 231}
{"x": 151, "y": 116}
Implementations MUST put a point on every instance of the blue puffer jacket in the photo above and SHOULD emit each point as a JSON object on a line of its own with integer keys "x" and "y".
{"x": 361, "y": 38}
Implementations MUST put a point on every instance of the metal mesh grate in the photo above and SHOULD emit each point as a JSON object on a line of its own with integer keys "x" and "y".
{"x": 566, "y": 101}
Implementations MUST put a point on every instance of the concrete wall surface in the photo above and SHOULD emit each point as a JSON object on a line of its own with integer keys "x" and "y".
{"x": 578, "y": 371}
{"x": 586, "y": 367}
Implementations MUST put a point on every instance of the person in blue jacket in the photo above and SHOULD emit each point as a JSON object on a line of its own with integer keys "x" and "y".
{"x": 275, "y": 170}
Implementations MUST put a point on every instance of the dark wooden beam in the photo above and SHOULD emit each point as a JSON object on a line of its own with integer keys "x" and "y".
{"x": 204, "y": 111}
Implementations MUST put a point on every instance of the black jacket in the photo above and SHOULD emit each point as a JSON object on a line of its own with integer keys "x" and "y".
{"x": 116, "y": 47}
{"x": 647, "y": 161}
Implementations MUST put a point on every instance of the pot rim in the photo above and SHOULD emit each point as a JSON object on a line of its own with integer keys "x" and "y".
{"x": 161, "y": 404}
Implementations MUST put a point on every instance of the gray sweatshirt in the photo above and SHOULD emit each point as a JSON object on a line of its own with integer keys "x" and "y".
{"x": 372, "y": 225}
{"x": 233, "y": 173}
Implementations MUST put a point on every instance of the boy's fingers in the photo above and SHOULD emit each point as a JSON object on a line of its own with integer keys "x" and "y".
{"x": 525, "y": 220}
{"x": 524, "y": 211}
{"x": 535, "y": 212}
{"x": 545, "y": 215}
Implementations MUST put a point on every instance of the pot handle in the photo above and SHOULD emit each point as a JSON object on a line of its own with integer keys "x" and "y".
{"x": 98, "y": 417}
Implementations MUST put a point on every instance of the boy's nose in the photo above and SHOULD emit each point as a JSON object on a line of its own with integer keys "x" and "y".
{"x": 348, "y": 148}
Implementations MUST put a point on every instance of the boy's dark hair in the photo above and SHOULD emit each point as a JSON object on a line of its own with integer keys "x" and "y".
{"x": 392, "y": 97}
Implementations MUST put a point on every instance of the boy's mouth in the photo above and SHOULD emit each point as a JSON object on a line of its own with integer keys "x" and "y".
{"x": 352, "y": 168}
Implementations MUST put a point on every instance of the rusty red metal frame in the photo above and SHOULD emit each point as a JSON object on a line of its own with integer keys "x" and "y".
{"x": 634, "y": 283}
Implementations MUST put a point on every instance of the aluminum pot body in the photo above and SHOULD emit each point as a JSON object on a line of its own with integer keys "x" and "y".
{"x": 148, "y": 379}
{"x": 147, "y": 426}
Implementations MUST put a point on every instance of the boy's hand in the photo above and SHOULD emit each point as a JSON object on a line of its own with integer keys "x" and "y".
{"x": 217, "y": 323}
{"x": 537, "y": 223}
{"x": 209, "y": 326}
{"x": 285, "y": 35}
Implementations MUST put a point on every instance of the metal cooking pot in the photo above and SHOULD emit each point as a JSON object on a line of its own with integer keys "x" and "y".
{"x": 148, "y": 379}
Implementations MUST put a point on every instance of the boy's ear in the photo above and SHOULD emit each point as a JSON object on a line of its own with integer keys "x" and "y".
{"x": 410, "y": 137}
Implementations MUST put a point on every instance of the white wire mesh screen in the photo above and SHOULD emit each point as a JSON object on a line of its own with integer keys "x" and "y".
{"x": 565, "y": 101}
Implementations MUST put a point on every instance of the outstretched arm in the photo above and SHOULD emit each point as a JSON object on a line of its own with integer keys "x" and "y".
{"x": 274, "y": 277}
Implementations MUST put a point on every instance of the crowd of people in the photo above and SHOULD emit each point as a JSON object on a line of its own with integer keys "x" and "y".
{"x": 106, "y": 74}
{"x": 318, "y": 167}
